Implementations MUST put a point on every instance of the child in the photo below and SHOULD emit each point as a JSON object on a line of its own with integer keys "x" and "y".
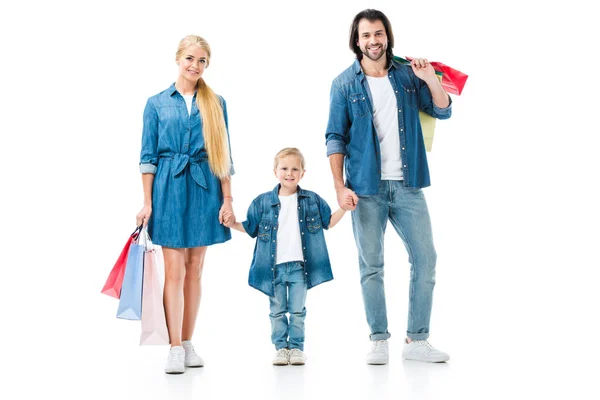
{"x": 290, "y": 255}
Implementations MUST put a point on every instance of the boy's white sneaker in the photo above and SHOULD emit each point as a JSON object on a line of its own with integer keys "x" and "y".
{"x": 297, "y": 357}
{"x": 191, "y": 358}
{"x": 175, "y": 361}
{"x": 421, "y": 350}
{"x": 282, "y": 357}
{"x": 379, "y": 354}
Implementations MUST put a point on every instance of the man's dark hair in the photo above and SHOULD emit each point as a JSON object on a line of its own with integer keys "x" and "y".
{"x": 371, "y": 15}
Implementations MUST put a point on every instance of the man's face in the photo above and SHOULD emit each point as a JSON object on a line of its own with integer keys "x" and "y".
{"x": 372, "y": 39}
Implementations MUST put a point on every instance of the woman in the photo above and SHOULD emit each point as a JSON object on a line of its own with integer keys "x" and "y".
{"x": 186, "y": 167}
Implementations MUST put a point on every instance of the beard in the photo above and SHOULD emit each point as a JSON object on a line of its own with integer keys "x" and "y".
{"x": 382, "y": 53}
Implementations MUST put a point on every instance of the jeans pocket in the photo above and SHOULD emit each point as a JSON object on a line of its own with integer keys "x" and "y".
{"x": 264, "y": 231}
{"x": 410, "y": 96}
{"x": 313, "y": 222}
{"x": 358, "y": 103}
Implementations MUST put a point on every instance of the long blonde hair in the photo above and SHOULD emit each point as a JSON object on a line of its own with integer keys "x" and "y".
{"x": 211, "y": 112}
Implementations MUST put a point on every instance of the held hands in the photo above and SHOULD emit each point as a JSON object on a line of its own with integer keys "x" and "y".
{"x": 226, "y": 215}
{"x": 422, "y": 69}
{"x": 347, "y": 199}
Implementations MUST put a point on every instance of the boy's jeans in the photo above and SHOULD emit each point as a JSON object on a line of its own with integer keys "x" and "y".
{"x": 407, "y": 211}
{"x": 290, "y": 297}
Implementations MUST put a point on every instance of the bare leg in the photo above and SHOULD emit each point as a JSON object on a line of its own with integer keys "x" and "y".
{"x": 173, "y": 292}
{"x": 192, "y": 290}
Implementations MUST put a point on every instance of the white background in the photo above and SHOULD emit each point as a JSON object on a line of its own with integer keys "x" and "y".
{"x": 513, "y": 200}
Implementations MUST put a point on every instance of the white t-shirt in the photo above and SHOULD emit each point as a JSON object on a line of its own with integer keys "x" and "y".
{"x": 188, "y": 100}
{"x": 289, "y": 243}
{"x": 385, "y": 117}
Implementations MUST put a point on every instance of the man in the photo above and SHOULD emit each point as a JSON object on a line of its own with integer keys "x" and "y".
{"x": 375, "y": 133}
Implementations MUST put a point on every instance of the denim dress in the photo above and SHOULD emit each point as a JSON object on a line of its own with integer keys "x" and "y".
{"x": 186, "y": 195}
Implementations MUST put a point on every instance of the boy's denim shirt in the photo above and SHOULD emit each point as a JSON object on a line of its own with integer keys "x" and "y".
{"x": 351, "y": 129}
{"x": 314, "y": 215}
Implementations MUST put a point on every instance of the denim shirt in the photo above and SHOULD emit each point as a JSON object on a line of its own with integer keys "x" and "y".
{"x": 169, "y": 131}
{"x": 351, "y": 129}
{"x": 314, "y": 215}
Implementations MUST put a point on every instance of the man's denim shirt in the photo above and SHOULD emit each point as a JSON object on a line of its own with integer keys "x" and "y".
{"x": 314, "y": 215}
{"x": 351, "y": 129}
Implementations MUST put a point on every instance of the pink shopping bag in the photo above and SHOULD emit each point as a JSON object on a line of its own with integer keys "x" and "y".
{"x": 154, "y": 323}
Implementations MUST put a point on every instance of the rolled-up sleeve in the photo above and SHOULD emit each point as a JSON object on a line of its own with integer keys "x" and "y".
{"x": 427, "y": 105}
{"x": 149, "y": 153}
{"x": 252, "y": 219}
{"x": 336, "y": 136}
{"x": 324, "y": 211}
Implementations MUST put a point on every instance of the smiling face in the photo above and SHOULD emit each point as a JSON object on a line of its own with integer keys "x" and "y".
{"x": 192, "y": 63}
{"x": 372, "y": 39}
{"x": 289, "y": 172}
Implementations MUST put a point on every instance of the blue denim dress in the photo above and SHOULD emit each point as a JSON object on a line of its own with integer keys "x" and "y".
{"x": 186, "y": 195}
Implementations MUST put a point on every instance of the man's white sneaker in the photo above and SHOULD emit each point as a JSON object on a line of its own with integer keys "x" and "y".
{"x": 379, "y": 354}
{"x": 282, "y": 357}
{"x": 421, "y": 350}
{"x": 175, "y": 361}
{"x": 297, "y": 357}
{"x": 191, "y": 358}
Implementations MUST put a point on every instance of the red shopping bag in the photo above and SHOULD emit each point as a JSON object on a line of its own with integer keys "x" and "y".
{"x": 453, "y": 81}
{"x": 113, "y": 284}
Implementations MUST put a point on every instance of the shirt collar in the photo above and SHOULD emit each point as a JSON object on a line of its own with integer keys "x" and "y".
{"x": 275, "y": 194}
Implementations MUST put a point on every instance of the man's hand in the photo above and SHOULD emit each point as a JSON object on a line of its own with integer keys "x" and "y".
{"x": 347, "y": 199}
{"x": 422, "y": 69}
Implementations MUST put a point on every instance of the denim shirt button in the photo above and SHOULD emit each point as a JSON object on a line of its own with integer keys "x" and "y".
{"x": 303, "y": 233}
{"x": 401, "y": 129}
{"x": 300, "y": 220}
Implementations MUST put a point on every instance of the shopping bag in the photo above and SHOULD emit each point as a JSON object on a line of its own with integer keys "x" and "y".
{"x": 130, "y": 303}
{"x": 453, "y": 81}
{"x": 113, "y": 284}
{"x": 154, "y": 323}
{"x": 428, "y": 126}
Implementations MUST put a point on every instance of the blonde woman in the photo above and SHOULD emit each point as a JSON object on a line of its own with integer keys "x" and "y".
{"x": 186, "y": 168}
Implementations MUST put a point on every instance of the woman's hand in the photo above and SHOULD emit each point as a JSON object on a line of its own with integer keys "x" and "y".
{"x": 144, "y": 215}
{"x": 226, "y": 215}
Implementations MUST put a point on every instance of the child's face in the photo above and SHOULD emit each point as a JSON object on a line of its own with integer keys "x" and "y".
{"x": 289, "y": 172}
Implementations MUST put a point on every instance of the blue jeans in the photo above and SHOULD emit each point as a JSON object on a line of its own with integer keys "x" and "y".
{"x": 290, "y": 297}
{"x": 407, "y": 211}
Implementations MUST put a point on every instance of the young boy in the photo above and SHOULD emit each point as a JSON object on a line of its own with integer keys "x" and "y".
{"x": 290, "y": 255}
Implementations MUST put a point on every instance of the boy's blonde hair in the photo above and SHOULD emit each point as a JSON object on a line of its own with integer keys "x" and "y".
{"x": 288, "y": 151}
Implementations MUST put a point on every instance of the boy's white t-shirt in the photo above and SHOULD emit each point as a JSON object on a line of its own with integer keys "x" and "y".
{"x": 385, "y": 116}
{"x": 289, "y": 243}
{"x": 188, "y": 101}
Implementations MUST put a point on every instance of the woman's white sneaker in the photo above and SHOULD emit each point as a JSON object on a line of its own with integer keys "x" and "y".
{"x": 175, "y": 361}
{"x": 191, "y": 358}
{"x": 421, "y": 350}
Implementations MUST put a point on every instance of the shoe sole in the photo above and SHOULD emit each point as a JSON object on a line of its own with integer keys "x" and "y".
{"x": 297, "y": 363}
{"x": 436, "y": 360}
{"x": 174, "y": 372}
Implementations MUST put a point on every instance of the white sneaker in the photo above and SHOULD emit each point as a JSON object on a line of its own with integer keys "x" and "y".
{"x": 282, "y": 357}
{"x": 175, "y": 361}
{"x": 191, "y": 358}
{"x": 421, "y": 350}
{"x": 379, "y": 354}
{"x": 297, "y": 357}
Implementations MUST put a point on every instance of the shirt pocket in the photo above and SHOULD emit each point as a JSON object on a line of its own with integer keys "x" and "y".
{"x": 264, "y": 230}
{"x": 358, "y": 103}
{"x": 410, "y": 96}
{"x": 313, "y": 219}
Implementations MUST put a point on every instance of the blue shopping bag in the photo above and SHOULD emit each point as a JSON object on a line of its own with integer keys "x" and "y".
{"x": 130, "y": 303}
